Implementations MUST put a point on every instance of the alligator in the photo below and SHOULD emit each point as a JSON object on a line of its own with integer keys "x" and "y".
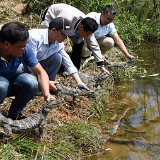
{"x": 74, "y": 91}
{"x": 30, "y": 123}
{"x": 121, "y": 64}
{"x": 91, "y": 80}
{"x": 94, "y": 80}
{"x": 113, "y": 64}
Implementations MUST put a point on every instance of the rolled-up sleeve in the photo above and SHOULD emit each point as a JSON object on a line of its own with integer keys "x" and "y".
{"x": 67, "y": 62}
{"x": 94, "y": 46}
{"x": 30, "y": 60}
{"x": 32, "y": 41}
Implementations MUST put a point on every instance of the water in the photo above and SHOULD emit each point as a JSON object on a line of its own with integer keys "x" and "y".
{"x": 136, "y": 133}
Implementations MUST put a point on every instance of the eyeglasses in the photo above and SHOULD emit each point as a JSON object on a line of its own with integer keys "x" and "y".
{"x": 108, "y": 19}
{"x": 21, "y": 48}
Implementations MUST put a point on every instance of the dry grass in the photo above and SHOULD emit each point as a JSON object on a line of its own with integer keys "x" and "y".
{"x": 68, "y": 111}
{"x": 8, "y": 15}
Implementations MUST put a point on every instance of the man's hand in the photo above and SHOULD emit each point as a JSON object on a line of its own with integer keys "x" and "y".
{"x": 103, "y": 57}
{"x": 129, "y": 57}
{"x": 82, "y": 86}
{"x": 52, "y": 85}
{"x": 104, "y": 70}
{"x": 48, "y": 97}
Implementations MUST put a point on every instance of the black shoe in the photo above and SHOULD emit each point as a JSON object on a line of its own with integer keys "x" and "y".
{"x": 11, "y": 117}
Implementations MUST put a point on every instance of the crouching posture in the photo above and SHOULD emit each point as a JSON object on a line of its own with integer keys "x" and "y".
{"x": 14, "y": 49}
{"x": 48, "y": 47}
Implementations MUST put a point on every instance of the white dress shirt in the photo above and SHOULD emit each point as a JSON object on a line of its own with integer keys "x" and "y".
{"x": 73, "y": 15}
{"x": 38, "y": 39}
{"x": 102, "y": 30}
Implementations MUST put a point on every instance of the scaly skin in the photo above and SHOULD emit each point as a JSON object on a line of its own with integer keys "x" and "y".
{"x": 30, "y": 123}
{"x": 74, "y": 91}
{"x": 91, "y": 80}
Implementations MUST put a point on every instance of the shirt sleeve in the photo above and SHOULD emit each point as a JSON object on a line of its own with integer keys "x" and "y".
{"x": 112, "y": 29}
{"x": 94, "y": 46}
{"x": 33, "y": 43}
{"x": 67, "y": 61}
{"x": 30, "y": 59}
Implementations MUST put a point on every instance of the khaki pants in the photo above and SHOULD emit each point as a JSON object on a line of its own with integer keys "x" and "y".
{"x": 105, "y": 43}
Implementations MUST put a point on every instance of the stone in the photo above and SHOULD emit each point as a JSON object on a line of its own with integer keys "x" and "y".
{"x": 20, "y": 8}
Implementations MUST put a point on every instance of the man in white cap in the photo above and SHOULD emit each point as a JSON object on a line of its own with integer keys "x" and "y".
{"x": 48, "y": 47}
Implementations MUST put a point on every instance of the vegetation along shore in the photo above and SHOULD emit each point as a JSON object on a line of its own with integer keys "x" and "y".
{"x": 70, "y": 131}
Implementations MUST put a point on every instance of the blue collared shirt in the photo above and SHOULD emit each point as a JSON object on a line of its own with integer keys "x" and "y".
{"x": 102, "y": 30}
{"x": 38, "y": 39}
{"x": 7, "y": 70}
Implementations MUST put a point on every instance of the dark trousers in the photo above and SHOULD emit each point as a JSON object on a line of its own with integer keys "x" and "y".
{"x": 76, "y": 56}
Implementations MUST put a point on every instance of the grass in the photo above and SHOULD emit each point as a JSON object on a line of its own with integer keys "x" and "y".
{"x": 63, "y": 139}
{"x": 69, "y": 142}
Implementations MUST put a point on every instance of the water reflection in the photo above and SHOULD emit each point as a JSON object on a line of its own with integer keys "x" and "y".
{"x": 137, "y": 136}
{"x": 147, "y": 100}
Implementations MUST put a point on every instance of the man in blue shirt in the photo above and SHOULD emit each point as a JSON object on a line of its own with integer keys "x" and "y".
{"x": 106, "y": 26}
{"x": 14, "y": 49}
{"x": 48, "y": 47}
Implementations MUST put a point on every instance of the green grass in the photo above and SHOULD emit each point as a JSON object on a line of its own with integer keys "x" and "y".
{"x": 68, "y": 142}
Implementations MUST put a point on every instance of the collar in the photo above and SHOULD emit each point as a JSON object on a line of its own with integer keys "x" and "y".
{"x": 45, "y": 40}
{"x": 3, "y": 59}
{"x": 99, "y": 19}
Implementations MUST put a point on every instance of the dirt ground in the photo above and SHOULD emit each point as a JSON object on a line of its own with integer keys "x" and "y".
{"x": 66, "y": 112}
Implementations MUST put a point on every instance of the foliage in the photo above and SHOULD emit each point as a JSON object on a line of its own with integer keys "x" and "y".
{"x": 136, "y": 20}
{"x": 75, "y": 138}
{"x": 69, "y": 142}
{"x": 7, "y": 151}
{"x": 37, "y": 6}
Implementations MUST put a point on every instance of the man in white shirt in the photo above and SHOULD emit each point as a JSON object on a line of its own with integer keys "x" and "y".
{"x": 106, "y": 26}
{"x": 48, "y": 47}
{"x": 83, "y": 28}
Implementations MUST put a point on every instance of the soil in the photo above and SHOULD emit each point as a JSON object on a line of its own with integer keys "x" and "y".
{"x": 66, "y": 112}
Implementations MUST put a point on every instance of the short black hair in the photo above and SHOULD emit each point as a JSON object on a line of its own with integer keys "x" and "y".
{"x": 14, "y": 32}
{"x": 109, "y": 8}
{"x": 89, "y": 24}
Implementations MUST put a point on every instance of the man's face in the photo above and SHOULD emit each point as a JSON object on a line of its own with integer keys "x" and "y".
{"x": 56, "y": 35}
{"x": 84, "y": 33}
{"x": 106, "y": 18}
{"x": 60, "y": 36}
{"x": 18, "y": 48}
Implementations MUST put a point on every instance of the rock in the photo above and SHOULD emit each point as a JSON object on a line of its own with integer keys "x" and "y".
{"x": 20, "y": 8}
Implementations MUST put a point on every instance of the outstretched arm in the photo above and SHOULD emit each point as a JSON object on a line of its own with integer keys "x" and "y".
{"x": 99, "y": 58}
{"x": 121, "y": 46}
{"x": 80, "y": 84}
{"x": 72, "y": 70}
{"x": 43, "y": 81}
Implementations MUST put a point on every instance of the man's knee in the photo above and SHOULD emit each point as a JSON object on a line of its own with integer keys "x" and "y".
{"x": 29, "y": 82}
{"x": 58, "y": 58}
{"x": 55, "y": 60}
{"x": 106, "y": 42}
{"x": 4, "y": 87}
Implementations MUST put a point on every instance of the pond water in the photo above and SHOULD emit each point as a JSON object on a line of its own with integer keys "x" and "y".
{"x": 136, "y": 134}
